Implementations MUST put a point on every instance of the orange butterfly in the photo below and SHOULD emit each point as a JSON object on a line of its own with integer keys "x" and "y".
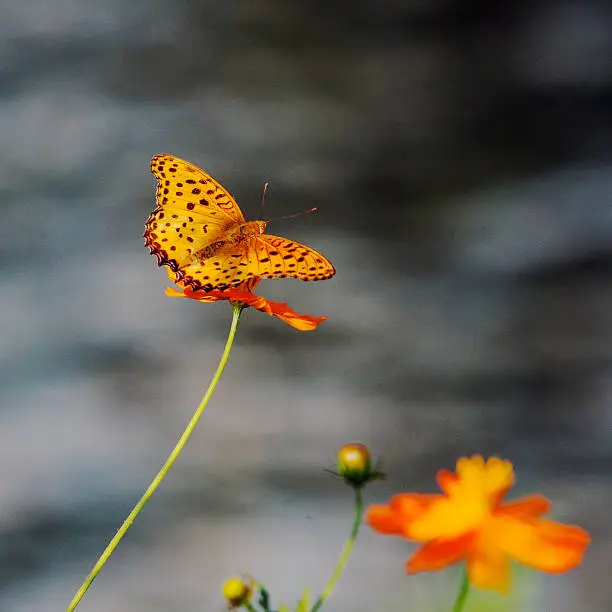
{"x": 200, "y": 233}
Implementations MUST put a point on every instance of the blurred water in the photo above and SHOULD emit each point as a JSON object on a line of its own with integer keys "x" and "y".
{"x": 459, "y": 156}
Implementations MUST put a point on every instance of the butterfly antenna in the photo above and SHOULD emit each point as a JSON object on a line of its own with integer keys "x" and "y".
{"x": 304, "y": 212}
{"x": 263, "y": 198}
{"x": 263, "y": 202}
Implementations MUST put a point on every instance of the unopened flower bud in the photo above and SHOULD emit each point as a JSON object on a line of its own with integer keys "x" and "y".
{"x": 354, "y": 464}
{"x": 237, "y": 591}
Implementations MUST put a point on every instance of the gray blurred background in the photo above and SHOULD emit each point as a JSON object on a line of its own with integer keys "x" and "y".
{"x": 459, "y": 154}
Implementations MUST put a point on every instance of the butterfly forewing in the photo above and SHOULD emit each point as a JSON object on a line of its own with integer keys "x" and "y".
{"x": 188, "y": 186}
{"x": 193, "y": 211}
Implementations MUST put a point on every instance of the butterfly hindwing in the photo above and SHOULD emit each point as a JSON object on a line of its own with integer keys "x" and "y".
{"x": 227, "y": 268}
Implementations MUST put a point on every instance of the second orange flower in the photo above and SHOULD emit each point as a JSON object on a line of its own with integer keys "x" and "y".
{"x": 471, "y": 522}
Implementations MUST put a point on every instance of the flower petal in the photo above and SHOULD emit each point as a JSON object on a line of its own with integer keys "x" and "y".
{"x": 446, "y": 480}
{"x": 543, "y": 544}
{"x": 412, "y": 505}
{"x": 449, "y": 518}
{"x": 301, "y": 322}
{"x": 438, "y": 554}
{"x": 493, "y": 477}
{"x": 489, "y": 568}
{"x": 397, "y": 517}
{"x": 204, "y": 297}
{"x": 243, "y": 295}
{"x": 531, "y": 506}
{"x": 382, "y": 519}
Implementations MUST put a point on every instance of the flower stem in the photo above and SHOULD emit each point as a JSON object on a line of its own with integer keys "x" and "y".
{"x": 462, "y": 594}
{"x": 348, "y": 547}
{"x": 165, "y": 468}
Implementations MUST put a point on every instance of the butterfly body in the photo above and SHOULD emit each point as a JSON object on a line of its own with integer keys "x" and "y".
{"x": 200, "y": 233}
{"x": 246, "y": 231}
{"x": 234, "y": 237}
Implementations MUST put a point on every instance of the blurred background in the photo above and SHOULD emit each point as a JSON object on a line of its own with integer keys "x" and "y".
{"x": 459, "y": 154}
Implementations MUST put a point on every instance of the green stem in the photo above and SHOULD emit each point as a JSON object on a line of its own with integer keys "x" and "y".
{"x": 462, "y": 594}
{"x": 164, "y": 470}
{"x": 348, "y": 547}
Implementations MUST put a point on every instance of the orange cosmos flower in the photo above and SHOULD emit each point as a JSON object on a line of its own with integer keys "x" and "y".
{"x": 243, "y": 294}
{"x": 470, "y": 522}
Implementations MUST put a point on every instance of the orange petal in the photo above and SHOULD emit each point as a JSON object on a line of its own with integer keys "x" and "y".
{"x": 384, "y": 520}
{"x": 204, "y": 297}
{"x": 414, "y": 508}
{"x": 451, "y": 517}
{"x": 236, "y": 294}
{"x": 438, "y": 554}
{"x": 248, "y": 299}
{"x": 493, "y": 477}
{"x": 446, "y": 479}
{"x": 243, "y": 295}
{"x": 412, "y": 505}
{"x": 476, "y": 477}
{"x": 398, "y": 517}
{"x": 531, "y": 506}
{"x": 172, "y": 292}
{"x": 301, "y": 322}
{"x": 489, "y": 568}
{"x": 545, "y": 545}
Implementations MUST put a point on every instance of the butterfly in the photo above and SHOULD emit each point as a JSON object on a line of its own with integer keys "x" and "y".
{"x": 200, "y": 233}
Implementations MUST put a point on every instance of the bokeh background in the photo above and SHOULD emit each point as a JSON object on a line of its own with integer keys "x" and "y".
{"x": 459, "y": 154}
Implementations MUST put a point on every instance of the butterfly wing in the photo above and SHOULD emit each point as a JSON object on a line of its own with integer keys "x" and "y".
{"x": 263, "y": 256}
{"x": 222, "y": 270}
{"x": 189, "y": 229}
{"x": 193, "y": 212}
{"x": 275, "y": 257}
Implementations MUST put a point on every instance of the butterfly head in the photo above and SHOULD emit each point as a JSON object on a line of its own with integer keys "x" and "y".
{"x": 261, "y": 226}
